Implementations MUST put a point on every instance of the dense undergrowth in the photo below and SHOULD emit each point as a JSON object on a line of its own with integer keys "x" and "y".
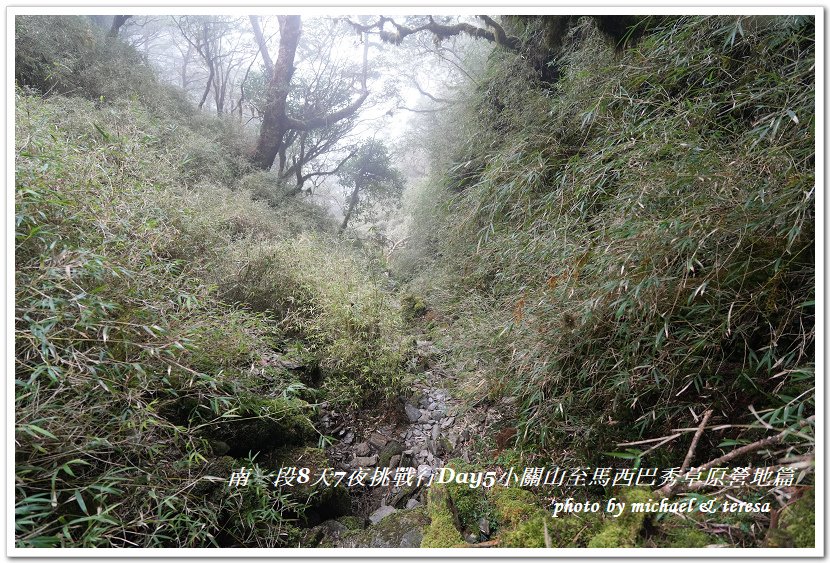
{"x": 158, "y": 290}
{"x": 611, "y": 250}
{"x": 634, "y": 242}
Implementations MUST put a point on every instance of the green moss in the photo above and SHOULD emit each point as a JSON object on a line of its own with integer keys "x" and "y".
{"x": 798, "y": 521}
{"x": 688, "y": 537}
{"x": 321, "y": 501}
{"x": 624, "y": 530}
{"x": 512, "y": 506}
{"x": 351, "y": 522}
{"x": 522, "y": 522}
{"x": 265, "y": 424}
{"x": 470, "y": 503}
{"x": 441, "y": 531}
{"x": 613, "y": 534}
{"x": 412, "y": 307}
{"x": 219, "y": 467}
{"x": 386, "y": 454}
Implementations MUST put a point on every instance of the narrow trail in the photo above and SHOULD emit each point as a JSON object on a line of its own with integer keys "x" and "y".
{"x": 427, "y": 428}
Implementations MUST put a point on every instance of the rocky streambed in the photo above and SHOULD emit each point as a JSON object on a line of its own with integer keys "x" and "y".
{"x": 427, "y": 428}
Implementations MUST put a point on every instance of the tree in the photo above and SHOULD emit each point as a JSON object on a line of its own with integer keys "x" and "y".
{"x": 117, "y": 22}
{"x": 277, "y": 122}
{"x": 371, "y": 179}
{"x": 396, "y": 32}
{"x": 221, "y": 48}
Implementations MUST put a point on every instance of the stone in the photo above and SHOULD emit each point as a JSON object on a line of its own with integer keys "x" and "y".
{"x": 484, "y": 526}
{"x": 394, "y": 461}
{"x": 412, "y": 412}
{"x": 365, "y": 461}
{"x": 362, "y": 449}
{"x": 404, "y": 528}
{"x": 290, "y": 364}
{"x": 436, "y": 431}
{"x": 470, "y": 538}
{"x": 348, "y": 438}
{"x": 412, "y": 503}
{"x": 328, "y": 531}
{"x": 447, "y": 422}
{"x": 381, "y": 513}
{"x": 443, "y": 446}
{"x": 377, "y": 440}
{"x": 424, "y": 416}
{"x": 389, "y": 450}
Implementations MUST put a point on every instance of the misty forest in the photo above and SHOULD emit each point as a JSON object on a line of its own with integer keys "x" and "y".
{"x": 295, "y": 281}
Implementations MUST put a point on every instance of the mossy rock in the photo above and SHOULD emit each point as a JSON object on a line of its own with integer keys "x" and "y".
{"x": 321, "y": 502}
{"x": 523, "y": 523}
{"x": 324, "y": 534}
{"x": 512, "y": 506}
{"x": 220, "y": 467}
{"x": 685, "y": 536}
{"x": 389, "y": 451}
{"x": 403, "y": 528}
{"x": 796, "y": 524}
{"x": 470, "y": 503}
{"x": 264, "y": 425}
{"x": 352, "y": 522}
{"x": 624, "y": 530}
{"x": 441, "y": 531}
{"x": 412, "y": 307}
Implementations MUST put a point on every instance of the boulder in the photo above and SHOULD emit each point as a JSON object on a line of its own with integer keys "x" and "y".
{"x": 403, "y": 528}
{"x": 381, "y": 513}
{"x": 412, "y": 412}
{"x": 377, "y": 440}
{"x": 389, "y": 450}
{"x": 369, "y": 461}
{"x": 322, "y": 502}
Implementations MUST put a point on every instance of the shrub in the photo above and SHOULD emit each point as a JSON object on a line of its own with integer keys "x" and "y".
{"x": 137, "y": 364}
{"x": 641, "y": 233}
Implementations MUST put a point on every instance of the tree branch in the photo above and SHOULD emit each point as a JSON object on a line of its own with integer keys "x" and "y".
{"x": 669, "y": 489}
{"x": 430, "y": 96}
{"x": 324, "y": 120}
{"x": 117, "y": 22}
{"x": 441, "y": 31}
{"x": 691, "y": 453}
{"x": 263, "y": 47}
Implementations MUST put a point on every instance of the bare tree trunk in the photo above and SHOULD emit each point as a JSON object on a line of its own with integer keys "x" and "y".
{"x": 275, "y": 120}
{"x": 263, "y": 48}
{"x": 185, "y": 63}
{"x": 352, "y": 203}
{"x": 117, "y": 22}
{"x": 209, "y": 60}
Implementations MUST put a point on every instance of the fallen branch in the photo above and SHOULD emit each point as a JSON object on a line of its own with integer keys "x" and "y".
{"x": 691, "y": 453}
{"x": 490, "y": 543}
{"x": 669, "y": 489}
